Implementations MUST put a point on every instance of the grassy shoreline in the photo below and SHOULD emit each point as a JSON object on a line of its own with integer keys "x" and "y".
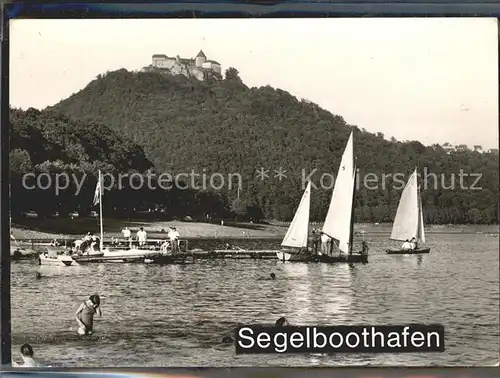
{"x": 200, "y": 230}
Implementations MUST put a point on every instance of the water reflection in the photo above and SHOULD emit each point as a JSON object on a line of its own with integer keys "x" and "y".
{"x": 335, "y": 288}
{"x": 318, "y": 293}
{"x": 298, "y": 295}
{"x": 415, "y": 261}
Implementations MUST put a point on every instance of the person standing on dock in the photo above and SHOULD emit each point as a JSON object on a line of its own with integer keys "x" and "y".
{"x": 173, "y": 235}
{"x": 126, "y": 234}
{"x": 141, "y": 237}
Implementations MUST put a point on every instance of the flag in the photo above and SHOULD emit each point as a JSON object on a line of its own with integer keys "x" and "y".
{"x": 98, "y": 190}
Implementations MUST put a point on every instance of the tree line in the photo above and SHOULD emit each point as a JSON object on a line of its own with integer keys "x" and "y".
{"x": 152, "y": 123}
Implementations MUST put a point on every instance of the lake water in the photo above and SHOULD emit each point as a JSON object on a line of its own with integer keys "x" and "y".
{"x": 177, "y": 315}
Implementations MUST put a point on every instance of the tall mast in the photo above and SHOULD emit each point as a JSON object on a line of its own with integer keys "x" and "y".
{"x": 419, "y": 206}
{"x": 308, "y": 224}
{"x": 352, "y": 212}
{"x": 100, "y": 211}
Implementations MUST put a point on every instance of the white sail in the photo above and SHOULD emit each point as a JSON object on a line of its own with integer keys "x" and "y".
{"x": 338, "y": 219}
{"x": 298, "y": 232}
{"x": 408, "y": 222}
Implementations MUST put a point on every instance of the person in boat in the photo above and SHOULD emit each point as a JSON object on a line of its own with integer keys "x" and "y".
{"x": 95, "y": 243}
{"x": 173, "y": 235}
{"x": 88, "y": 237}
{"x": 326, "y": 244}
{"x": 281, "y": 322}
{"x": 54, "y": 243}
{"x": 406, "y": 245}
{"x": 142, "y": 237}
{"x": 164, "y": 247}
{"x": 316, "y": 239}
{"x": 27, "y": 356}
{"x": 77, "y": 247}
{"x": 86, "y": 311}
{"x": 87, "y": 241}
{"x": 413, "y": 243}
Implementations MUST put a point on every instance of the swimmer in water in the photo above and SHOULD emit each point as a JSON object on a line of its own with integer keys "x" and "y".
{"x": 85, "y": 313}
{"x": 273, "y": 276}
{"x": 281, "y": 322}
{"x": 27, "y": 356}
{"x": 227, "y": 340}
{"x": 38, "y": 275}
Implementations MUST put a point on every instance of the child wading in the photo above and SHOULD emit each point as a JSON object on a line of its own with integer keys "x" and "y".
{"x": 85, "y": 314}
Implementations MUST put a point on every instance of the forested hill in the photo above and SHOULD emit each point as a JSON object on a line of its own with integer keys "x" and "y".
{"x": 226, "y": 127}
{"x": 44, "y": 144}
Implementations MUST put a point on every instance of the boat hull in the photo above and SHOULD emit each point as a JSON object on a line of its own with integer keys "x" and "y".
{"x": 285, "y": 256}
{"x": 171, "y": 259}
{"x": 18, "y": 253}
{"x": 129, "y": 256}
{"x": 57, "y": 261}
{"x": 321, "y": 258}
{"x": 417, "y": 251}
{"x": 354, "y": 258}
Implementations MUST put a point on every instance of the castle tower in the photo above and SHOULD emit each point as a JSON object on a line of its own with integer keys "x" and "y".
{"x": 200, "y": 59}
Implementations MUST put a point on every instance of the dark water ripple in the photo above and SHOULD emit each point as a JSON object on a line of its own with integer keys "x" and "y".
{"x": 177, "y": 315}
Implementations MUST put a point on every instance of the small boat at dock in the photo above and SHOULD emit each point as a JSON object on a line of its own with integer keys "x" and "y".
{"x": 170, "y": 259}
{"x": 51, "y": 258}
{"x": 19, "y": 253}
{"x": 129, "y": 255}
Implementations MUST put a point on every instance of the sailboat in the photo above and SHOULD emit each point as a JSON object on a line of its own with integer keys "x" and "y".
{"x": 339, "y": 221}
{"x": 87, "y": 246}
{"x": 296, "y": 239}
{"x": 409, "y": 220}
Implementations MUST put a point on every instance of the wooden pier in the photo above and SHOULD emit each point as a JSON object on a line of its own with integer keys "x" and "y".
{"x": 181, "y": 257}
{"x": 31, "y": 248}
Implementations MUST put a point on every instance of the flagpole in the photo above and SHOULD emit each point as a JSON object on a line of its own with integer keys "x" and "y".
{"x": 101, "y": 246}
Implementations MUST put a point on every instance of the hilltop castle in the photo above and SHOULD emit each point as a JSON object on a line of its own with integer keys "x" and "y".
{"x": 199, "y": 67}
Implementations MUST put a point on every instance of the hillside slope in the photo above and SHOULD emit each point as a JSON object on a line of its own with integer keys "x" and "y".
{"x": 226, "y": 127}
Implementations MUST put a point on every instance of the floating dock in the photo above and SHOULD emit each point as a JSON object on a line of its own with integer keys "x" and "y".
{"x": 182, "y": 257}
{"x": 36, "y": 246}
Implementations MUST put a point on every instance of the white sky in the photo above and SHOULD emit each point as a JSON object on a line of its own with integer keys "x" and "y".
{"x": 427, "y": 79}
